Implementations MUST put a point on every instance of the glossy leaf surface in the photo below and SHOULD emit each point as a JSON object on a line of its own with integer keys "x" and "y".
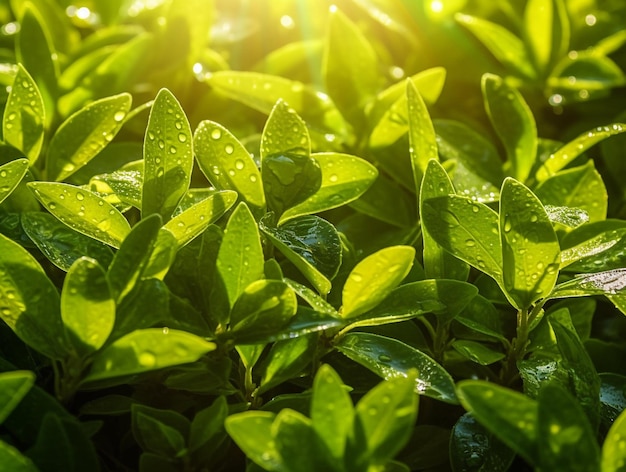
{"x": 421, "y": 134}
{"x": 11, "y": 174}
{"x": 13, "y": 386}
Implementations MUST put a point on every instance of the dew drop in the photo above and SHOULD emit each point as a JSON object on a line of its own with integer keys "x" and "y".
{"x": 80, "y": 196}
{"x": 384, "y": 358}
{"x": 216, "y": 133}
{"x": 231, "y": 172}
{"x": 333, "y": 178}
{"x": 253, "y": 178}
{"x": 507, "y": 225}
{"x": 182, "y": 137}
{"x": 173, "y": 150}
{"x": 151, "y": 136}
{"x": 161, "y": 144}
{"x": 239, "y": 164}
{"x": 3, "y": 173}
{"x": 229, "y": 149}
{"x": 470, "y": 243}
{"x": 147, "y": 359}
{"x": 119, "y": 116}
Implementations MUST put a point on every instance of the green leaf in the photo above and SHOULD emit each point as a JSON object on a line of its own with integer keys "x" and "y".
{"x": 240, "y": 258}
{"x": 252, "y": 431}
{"x": 477, "y": 352}
{"x": 473, "y": 448}
{"x": 514, "y": 123}
{"x": 312, "y": 244}
{"x": 36, "y": 53}
{"x": 13, "y": 386}
{"x": 567, "y": 216}
{"x": 11, "y": 174}
{"x": 119, "y": 187}
{"x": 286, "y": 360}
{"x": 547, "y": 32}
{"x": 530, "y": 248}
{"x": 584, "y": 75}
{"x": 208, "y": 425}
{"x": 579, "y": 187}
{"x": 610, "y": 282}
{"x": 24, "y": 117}
{"x": 155, "y": 436}
{"x": 264, "y": 305}
{"x": 190, "y": 223}
{"x": 570, "y": 151}
{"x": 168, "y": 157}
{"x": 438, "y": 263}
{"x": 350, "y": 67}
{"x": 613, "y": 450}
{"x": 87, "y": 306}
{"x": 227, "y": 164}
{"x": 133, "y": 256}
{"x": 421, "y": 134}
{"x": 567, "y": 440}
{"x": 594, "y": 246}
{"x": 511, "y": 416}
{"x": 284, "y": 133}
{"x": 504, "y": 45}
{"x": 344, "y": 179}
{"x": 390, "y": 358}
{"x": 83, "y": 211}
{"x": 374, "y": 278}
{"x": 29, "y": 301}
{"x": 145, "y": 350}
{"x": 332, "y": 412}
{"x": 383, "y": 422}
{"x": 481, "y": 316}
{"x": 60, "y": 244}
{"x": 467, "y": 229}
{"x": 84, "y": 134}
{"x": 13, "y": 460}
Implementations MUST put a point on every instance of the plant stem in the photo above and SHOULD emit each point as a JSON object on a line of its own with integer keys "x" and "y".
{"x": 517, "y": 349}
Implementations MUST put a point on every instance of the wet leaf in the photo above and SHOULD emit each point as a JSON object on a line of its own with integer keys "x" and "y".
{"x": 473, "y": 448}
{"x": 11, "y": 174}
{"x": 252, "y": 432}
{"x": 467, "y": 229}
{"x": 83, "y": 211}
{"x": 240, "y": 258}
{"x": 390, "y": 359}
{"x": 610, "y": 282}
{"x": 613, "y": 451}
{"x": 505, "y": 46}
{"x": 144, "y": 350}
{"x": 84, "y": 134}
{"x": 227, "y": 164}
{"x": 481, "y": 316}
{"x": 567, "y": 216}
{"x": 438, "y": 263}
{"x": 284, "y": 133}
{"x": 567, "y": 440}
{"x": 119, "y": 187}
{"x": 194, "y": 220}
{"x": 570, "y": 151}
{"x": 310, "y": 243}
{"x": 511, "y": 416}
{"x": 374, "y": 278}
{"x": 421, "y": 135}
{"x": 23, "y": 120}
{"x": 168, "y": 157}
{"x": 530, "y": 248}
{"x": 344, "y": 179}
{"x": 477, "y": 352}
{"x": 29, "y": 302}
{"x": 514, "y": 123}
{"x": 13, "y": 386}
{"x": 612, "y": 396}
{"x": 287, "y": 359}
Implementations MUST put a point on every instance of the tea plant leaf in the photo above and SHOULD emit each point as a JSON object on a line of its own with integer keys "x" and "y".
{"x": 13, "y": 386}
{"x": 421, "y": 134}
{"x": 144, "y": 350}
{"x": 481, "y": 316}
{"x": 284, "y": 133}
{"x": 392, "y": 105}
{"x": 310, "y": 243}
{"x": 383, "y": 421}
{"x": 155, "y": 436}
{"x": 287, "y": 359}
{"x": 505, "y": 46}
{"x": 567, "y": 216}
{"x": 579, "y": 187}
{"x": 168, "y": 157}
{"x": 207, "y": 426}
{"x": 474, "y": 448}
{"x": 349, "y": 67}
{"x": 612, "y": 396}
{"x": 390, "y": 358}
{"x": 11, "y": 174}
{"x": 36, "y": 53}
{"x": 603, "y": 250}
{"x": 240, "y": 258}
{"x": 163, "y": 255}
{"x": 252, "y": 432}
{"x": 85, "y": 134}
{"x": 567, "y": 440}
{"x": 547, "y": 33}
{"x": 83, "y": 211}
{"x": 571, "y": 150}
{"x": 306, "y": 321}
{"x": 194, "y": 220}
{"x": 374, "y": 278}
{"x": 133, "y": 256}
{"x": 87, "y": 306}
{"x": 13, "y": 460}
{"x": 477, "y": 352}
{"x": 344, "y": 179}
{"x": 227, "y": 164}
{"x": 511, "y": 416}
{"x": 467, "y": 229}
{"x": 610, "y": 282}
{"x": 23, "y": 120}
{"x": 613, "y": 452}
{"x": 29, "y": 301}
{"x": 314, "y": 300}
{"x": 438, "y": 263}
{"x": 332, "y": 411}
{"x": 514, "y": 123}
{"x": 530, "y": 248}
{"x": 119, "y": 187}
{"x": 263, "y": 306}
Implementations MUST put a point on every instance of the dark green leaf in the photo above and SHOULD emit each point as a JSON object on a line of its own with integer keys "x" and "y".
{"x": 610, "y": 282}
{"x": 11, "y": 174}
{"x": 286, "y": 360}
{"x": 612, "y": 396}
{"x": 390, "y": 358}
{"x": 613, "y": 451}
{"x": 13, "y": 460}
{"x": 154, "y": 435}
{"x": 477, "y": 352}
{"x": 13, "y": 386}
